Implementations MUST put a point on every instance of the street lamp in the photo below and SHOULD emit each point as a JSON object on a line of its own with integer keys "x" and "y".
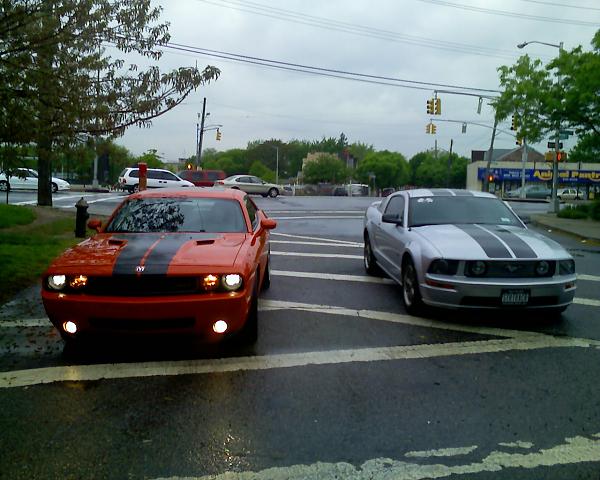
{"x": 276, "y": 164}
{"x": 555, "y": 205}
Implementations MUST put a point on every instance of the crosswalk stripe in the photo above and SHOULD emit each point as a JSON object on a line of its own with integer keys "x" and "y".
{"x": 587, "y": 301}
{"x": 589, "y": 278}
{"x": 316, "y": 255}
{"x": 36, "y": 376}
{"x": 319, "y": 239}
{"x": 317, "y": 244}
{"x": 332, "y": 276}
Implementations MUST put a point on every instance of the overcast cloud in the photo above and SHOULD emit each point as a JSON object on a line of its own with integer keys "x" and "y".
{"x": 254, "y": 102}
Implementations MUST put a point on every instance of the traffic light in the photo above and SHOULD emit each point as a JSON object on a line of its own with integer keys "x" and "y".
{"x": 513, "y": 125}
{"x": 438, "y": 106}
{"x": 430, "y": 106}
{"x": 428, "y": 128}
{"x": 561, "y": 156}
{"x": 519, "y": 141}
{"x": 490, "y": 178}
{"x": 218, "y": 135}
{"x": 433, "y": 129}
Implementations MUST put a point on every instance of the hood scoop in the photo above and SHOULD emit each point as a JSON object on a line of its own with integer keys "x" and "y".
{"x": 205, "y": 242}
{"x": 116, "y": 241}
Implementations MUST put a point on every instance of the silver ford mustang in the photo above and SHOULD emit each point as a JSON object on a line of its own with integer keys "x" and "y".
{"x": 465, "y": 249}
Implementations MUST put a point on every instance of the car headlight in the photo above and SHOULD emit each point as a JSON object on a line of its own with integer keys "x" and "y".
{"x": 477, "y": 268}
{"x": 542, "y": 268}
{"x": 231, "y": 282}
{"x": 57, "y": 282}
{"x": 566, "y": 267}
{"x": 441, "y": 266}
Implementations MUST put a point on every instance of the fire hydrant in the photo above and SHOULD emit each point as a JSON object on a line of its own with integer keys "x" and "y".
{"x": 81, "y": 218}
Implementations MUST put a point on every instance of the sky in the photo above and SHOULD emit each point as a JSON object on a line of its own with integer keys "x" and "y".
{"x": 455, "y": 42}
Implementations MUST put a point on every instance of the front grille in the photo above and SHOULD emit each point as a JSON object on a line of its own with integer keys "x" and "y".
{"x": 514, "y": 269}
{"x": 141, "y": 325}
{"x": 141, "y": 286}
{"x": 547, "y": 301}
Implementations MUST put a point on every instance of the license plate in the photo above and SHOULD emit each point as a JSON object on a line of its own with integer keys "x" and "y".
{"x": 515, "y": 297}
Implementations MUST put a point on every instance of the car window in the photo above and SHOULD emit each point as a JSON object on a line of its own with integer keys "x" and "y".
{"x": 395, "y": 206}
{"x": 155, "y": 175}
{"x": 134, "y": 173}
{"x": 213, "y": 175}
{"x": 251, "y": 212}
{"x": 243, "y": 180}
{"x": 215, "y": 215}
{"x": 439, "y": 210}
{"x": 169, "y": 176}
{"x": 255, "y": 180}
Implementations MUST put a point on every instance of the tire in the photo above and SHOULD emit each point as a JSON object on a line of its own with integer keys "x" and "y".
{"x": 4, "y": 186}
{"x": 135, "y": 189}
{"x": 411, "y": 296}
{"x": 273, "y": 192}
{"x": 369, "y": 261}
{"x": 266, "y": 283}
{"x": 249, "y": 334}
{"x": 54, "y": 188}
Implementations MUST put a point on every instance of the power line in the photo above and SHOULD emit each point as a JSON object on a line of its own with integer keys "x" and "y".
{"x": 355, "y": 29}
{"x": 322, "y": 69}
{"x": 566, "y": 5}
{"x": 522, "y": 16}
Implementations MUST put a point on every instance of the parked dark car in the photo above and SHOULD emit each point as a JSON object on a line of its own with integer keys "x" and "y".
{"x": 531, "y": 191}
{"x": 202, "y": 178}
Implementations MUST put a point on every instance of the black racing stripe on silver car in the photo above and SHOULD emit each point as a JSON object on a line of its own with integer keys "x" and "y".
{"x": 131, "y": 254}
{"x": 160, "y": 257}
{"x": 515, "y": 243}
{"x": 492, "y": 247}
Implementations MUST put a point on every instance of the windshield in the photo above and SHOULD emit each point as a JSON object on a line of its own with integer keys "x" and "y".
{"x": 179, "y": 215}
{"x": 438, "y": 210}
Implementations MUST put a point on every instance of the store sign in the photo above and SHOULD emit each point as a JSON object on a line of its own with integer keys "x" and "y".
{"x": 539, "y": 175}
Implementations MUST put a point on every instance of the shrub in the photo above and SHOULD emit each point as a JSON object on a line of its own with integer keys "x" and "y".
{"x": 594, "y": 210}
{"x": 580, "y": 211}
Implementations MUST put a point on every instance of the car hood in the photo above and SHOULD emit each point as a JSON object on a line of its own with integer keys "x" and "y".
{"x": 472, "y": 242}
{"x": 151, "y": 253}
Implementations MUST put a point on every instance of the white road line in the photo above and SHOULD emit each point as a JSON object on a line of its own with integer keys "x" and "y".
{"x": 318, "y": 244}
{"x": 269, "y": 211}
{"x": 441, "y": 452}
{"x": 573, "y": 451}
{"x": 314, "y": 217}
{"x": 22, "y": 378}
{"x": 333, "y": 276}
{"x": 316, "y": 255}
{"x": 27, "y": 322}
{"x": 30, "y": 202}
{"x": 590, "y": 278}
{"x": 587, "y": 301}
{"x": 320, "y": 239}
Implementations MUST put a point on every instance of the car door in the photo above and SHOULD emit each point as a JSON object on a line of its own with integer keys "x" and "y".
{"x": 170, "y": 180}
{"x": 391, "y": 236}
{"x": 244, "y": 183}
{"x": 258, "y": 186}
{"x": 24, "y": 178}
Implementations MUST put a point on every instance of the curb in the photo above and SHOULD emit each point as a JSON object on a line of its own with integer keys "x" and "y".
{"x": 564, "y": 231}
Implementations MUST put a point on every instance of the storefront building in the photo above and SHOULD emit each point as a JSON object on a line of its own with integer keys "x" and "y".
{"x": 506, "y": 170}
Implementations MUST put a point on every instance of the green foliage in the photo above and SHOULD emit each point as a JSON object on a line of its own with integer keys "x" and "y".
{"x": 595, "y": 210}
{"x": 258, "y": 169}
{"x": 587, "y": 149}
{"x": 326, "y": 168}
{"x": 151, "y": 158}
{"x": 27, "y": 252}
{"x": 390, "y": 169}
{"x": 427, "y": 171}
{"x": 11, "y": 215}
{"x": 574, "y": 212}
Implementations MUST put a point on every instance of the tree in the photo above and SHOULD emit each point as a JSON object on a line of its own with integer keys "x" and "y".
{"x": 325, "y": 168}
{"x": 390, "y": 169}
{"x": 151, "y": 158}
{"x": 587, "y": 149}
{"x": 258, "y": 169}
{"x": 59, "y": 81}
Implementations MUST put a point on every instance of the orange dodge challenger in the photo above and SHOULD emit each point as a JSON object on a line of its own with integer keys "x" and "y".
{"x": 189, "y": 261}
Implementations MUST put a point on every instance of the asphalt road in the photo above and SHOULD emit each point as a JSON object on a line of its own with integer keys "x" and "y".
{"x": 341, "y": 384}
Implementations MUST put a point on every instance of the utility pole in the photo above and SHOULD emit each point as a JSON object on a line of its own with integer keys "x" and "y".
{"x": 435, "y": 151}
{"x": 201, "y": 134}
{"x": 485, "y": 183}
{"x": 523, "y": 162}
{"x": 449, "y": 164}
{"x": 555, "y": 204}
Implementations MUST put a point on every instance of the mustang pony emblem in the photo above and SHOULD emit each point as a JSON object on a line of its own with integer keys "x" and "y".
{"x": 512, "y": 268}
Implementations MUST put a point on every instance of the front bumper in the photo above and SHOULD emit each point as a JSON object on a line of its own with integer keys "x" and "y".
{"x": 465, "y": 292}
{"x": 176, "y": 314}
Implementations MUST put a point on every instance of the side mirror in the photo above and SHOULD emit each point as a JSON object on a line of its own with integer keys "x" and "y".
{"x": 94, "y": 224}
{"x": 526, "y": 219}
{"x": 268, "y": 223}
{"x": 391, "y": 218}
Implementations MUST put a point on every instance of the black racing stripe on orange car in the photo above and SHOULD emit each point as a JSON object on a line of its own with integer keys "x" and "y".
{"x": 492, "y": 247}
{"x": 159, "y": 259}
{"x": 131, "y": 254}
{"x": 515, "y": 243}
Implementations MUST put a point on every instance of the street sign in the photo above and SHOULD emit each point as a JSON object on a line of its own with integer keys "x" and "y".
{"x": 567, "y": 132}
{"x": 563, "y": 136}
{"x": 553, "y": 145}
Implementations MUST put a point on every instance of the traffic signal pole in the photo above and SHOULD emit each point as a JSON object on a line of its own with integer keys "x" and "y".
{"x": 485, "y": 186}
{"x": 523, "y": 163}
{"x": 200, "y": 135}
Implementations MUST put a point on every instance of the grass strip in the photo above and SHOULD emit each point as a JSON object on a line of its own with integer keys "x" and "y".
{"x": 11, "y": 215}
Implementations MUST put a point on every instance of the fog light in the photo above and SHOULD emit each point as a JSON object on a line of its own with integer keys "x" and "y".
{"x": 70, "y": 327}
{"x": 542, "y": 268}
{"x": 220, "y": 326}
{"x": 57, "y": 282}
{"x": 477, "y": 268}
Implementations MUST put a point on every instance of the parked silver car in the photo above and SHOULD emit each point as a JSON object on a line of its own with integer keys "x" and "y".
{"x": 458, "y": 248}
{"x": 250, "y": 184}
